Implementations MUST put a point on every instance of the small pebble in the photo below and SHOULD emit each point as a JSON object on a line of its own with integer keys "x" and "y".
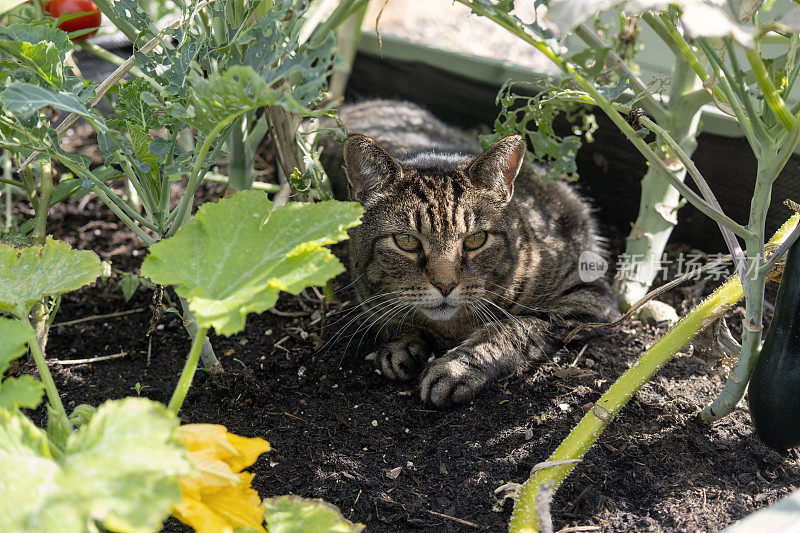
{"x": 374, "y": 423}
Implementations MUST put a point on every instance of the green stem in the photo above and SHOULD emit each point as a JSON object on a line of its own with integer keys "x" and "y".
{"x": 122, "y": 24}
{"x": 736, "y": 384}
{"x": 770, "y": 93}
{"x": 123, "y": 217}
{"x": 43, "y": 205}
{"x": 12, "y": 183}
{"x": 144, "y": 193}
{"x": 110, "y": 197}
{"x": 742, "y": 117}
{"x": 688, "y": 54}
{"x": 342, "y": 11}
{"x": 108, "y": 57}
{"x": 661, "y": 30}
{"x": 44, "y": 373}
{"x": 705, "y": 190}
{"x": 185, "y": 381}
{"x": 653, "y": 107}
{"x": 240, "y": 160}
{"x": 184, "y": 210}
{"x": 588, "y": 430}
{"x": 609, "y": 110}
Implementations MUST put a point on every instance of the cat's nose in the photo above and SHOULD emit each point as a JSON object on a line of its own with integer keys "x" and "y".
{"x": 445, "y": 288}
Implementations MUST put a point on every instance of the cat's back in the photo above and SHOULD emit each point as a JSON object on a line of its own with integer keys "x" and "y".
{"x": 405, "y": 129}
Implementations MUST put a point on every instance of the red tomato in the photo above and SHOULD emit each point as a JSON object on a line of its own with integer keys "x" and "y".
{"x": 64, "y": 7}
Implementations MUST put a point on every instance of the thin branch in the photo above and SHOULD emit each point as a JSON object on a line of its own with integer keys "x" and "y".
{"x": 730, "y": 239}
{"x": 88, "y": 360}
{"x": 99, "y": 317}
{"x": 592, "y": 39}
{"x": 771, "y": 95}
{"x": 724, "y": 82}
{"x": 782, "y": 249}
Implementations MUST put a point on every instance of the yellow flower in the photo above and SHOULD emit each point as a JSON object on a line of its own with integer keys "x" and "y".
{"x": 217, "y": 497}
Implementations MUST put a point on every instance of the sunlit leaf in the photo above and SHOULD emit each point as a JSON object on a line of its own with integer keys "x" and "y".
{"x": 29, "y": 274}
{"x": 120, "y": 470}
{"x": 24, "y": 99}
{"x": 292, "y": 514}
{"x": 701, "y": 18}
{"x": 24, "y": 391}
{"x": 236, "y": 255}
{"x": 14, "y": 335}
{"x": 39, "y": 48}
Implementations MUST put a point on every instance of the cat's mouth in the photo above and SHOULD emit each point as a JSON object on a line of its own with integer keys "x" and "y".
{"x": 443, "y": 311}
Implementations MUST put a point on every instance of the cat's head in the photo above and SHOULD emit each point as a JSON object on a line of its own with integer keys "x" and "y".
{"x": 436, "y": 233}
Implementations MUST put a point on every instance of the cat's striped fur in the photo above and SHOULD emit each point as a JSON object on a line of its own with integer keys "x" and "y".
{"x": 484, "y": 313}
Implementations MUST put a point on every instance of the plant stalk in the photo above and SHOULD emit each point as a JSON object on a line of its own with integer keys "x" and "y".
{"x": 187, "y": 374}
{"x": 659, "y": 200}
{"x": 524, "y": 517}
{"x": 753, "y": 283}
{"x": 207, "y": 354}
{"x": 44, "y": 373}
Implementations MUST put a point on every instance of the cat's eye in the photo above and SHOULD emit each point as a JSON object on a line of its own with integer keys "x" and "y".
{"x": 407, "y": 243}
{"x": 475, "y": 240}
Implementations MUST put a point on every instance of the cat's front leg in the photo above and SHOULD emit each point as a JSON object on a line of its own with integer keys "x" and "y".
{"x": 402, "y": 358}
{"x": 493, "y": 351}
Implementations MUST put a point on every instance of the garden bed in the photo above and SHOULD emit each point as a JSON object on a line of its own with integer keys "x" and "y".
{"x": 339, "y": 431}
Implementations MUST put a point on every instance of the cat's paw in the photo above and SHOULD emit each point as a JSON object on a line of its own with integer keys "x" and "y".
{"x": 450, "y": 380}
{"x": 401, "y": 360}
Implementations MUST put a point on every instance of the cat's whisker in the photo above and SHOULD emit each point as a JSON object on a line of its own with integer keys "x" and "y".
{"x": 368, "y": 310}
{"x": 491, "y": 319}
{"x": 533, "y": 309}
{"x": 394, "y": 312}
{"x": 367, "y": 325}
{"x": 511, "y": 317}
{"x": 360, "y": 305}
{"x": 342, "y": 289}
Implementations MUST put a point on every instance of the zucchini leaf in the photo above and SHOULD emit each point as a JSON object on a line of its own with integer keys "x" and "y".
{"x": 120, "y": 470}
{"x": 235, "y": 255}
{"x": 23, "y": 391}
{"x": 29, "y": 274}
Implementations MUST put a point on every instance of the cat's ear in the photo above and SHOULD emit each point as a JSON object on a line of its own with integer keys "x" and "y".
{"x": 499, "y": 165}
{"x": 368, "y": 166}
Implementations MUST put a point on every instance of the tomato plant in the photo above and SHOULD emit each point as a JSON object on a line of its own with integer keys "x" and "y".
{"x": 81, "y": 23}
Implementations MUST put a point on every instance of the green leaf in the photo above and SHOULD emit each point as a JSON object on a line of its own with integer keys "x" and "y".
{"x": 128, "y": 283}
{"x": 24, "y": 391}
{"x": 222, "y": 97}
{"x": 14, "y": 335}
{"x": 41, "y": 49}
{"x": 120, "y": 470}
{"x": 23, "y": 100}
{"x": 65, "y": 189}
{"x": 8, "y": 5}
{"x": 29, "y": 274}
{"x": 235, "y": 255}
{"x": 292, "y": 514}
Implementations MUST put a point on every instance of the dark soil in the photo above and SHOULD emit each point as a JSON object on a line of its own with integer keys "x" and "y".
{"x": 340, "y": 432}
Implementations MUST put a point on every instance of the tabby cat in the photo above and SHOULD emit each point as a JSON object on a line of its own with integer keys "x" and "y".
{"x": 459, "y": 255}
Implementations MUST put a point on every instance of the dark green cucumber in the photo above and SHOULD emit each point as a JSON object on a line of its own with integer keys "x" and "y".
{"x": 774, "y": 393}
